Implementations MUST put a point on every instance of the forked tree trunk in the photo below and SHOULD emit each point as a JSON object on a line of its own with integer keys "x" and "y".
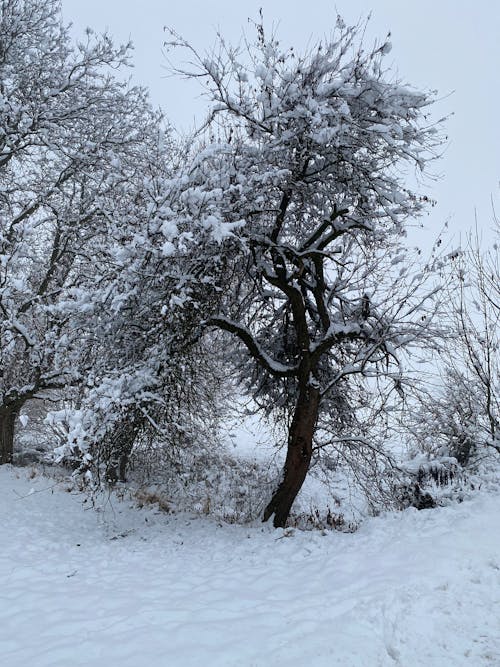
{"x": 8, "y": 416}
{"x": 298, "y": 457}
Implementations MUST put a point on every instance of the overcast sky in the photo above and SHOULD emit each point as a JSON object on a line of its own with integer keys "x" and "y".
{"x": 451, "y": 46}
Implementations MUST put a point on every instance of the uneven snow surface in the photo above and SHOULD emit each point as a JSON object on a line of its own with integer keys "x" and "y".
{"x": 138, "y": 588}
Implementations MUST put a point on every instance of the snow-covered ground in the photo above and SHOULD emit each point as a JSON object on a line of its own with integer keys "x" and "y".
{"x": 139, "y": 588}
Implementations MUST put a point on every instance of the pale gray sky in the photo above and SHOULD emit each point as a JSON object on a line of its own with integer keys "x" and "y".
{"x": 449, "y": 45}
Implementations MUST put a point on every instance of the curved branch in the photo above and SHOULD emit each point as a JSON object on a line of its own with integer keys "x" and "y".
{"x": 273, "y": 367}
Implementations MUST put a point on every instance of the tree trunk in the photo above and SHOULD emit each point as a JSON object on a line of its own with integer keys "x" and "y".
{"x": 298, "y": 457}
{"x": 119, "y": 445}
{"x": 8, "y": 416}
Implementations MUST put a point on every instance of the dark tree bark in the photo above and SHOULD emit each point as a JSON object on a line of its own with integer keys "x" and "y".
{"x": 118, "y": 446}
{"x": 8, "y": 416}
{"x": 298, "y": 456}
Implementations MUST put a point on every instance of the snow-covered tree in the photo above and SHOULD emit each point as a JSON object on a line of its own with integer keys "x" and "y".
{"x": 151, "y": 381}
{"x": 296, "y": 204}
{"x": 462, "y": 418}
{"x": 71, "y": 134}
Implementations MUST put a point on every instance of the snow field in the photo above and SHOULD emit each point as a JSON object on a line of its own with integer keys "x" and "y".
{"x": 139, "y": 588}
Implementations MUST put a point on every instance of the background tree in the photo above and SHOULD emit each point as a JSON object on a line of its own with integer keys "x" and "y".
{"x": 461, "y": 417}
{"x": 70, "y": 134}
{"x": 299, "y": 207}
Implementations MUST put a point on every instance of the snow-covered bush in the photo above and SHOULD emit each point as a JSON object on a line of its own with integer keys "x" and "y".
{"x": 208, "y": 480}
{"x": 158, "y": 415}
{"x": 425, "y": 482}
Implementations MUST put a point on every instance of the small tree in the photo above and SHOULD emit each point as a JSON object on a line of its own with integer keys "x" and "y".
{"x": 479, "y": 330}
{"x": 296, "y": 204}
{"x": 463, "y": 418}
